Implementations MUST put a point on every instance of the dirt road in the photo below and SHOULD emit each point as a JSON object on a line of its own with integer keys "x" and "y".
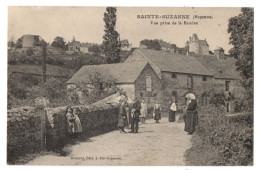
{"x": 155, "y": 144}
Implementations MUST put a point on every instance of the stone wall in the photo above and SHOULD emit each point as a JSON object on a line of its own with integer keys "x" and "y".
{"x": 31, "y": 130}
{"x": 24, "y": 132}
{"x": 179, "y": 86}
{"x": 95, "y": 119}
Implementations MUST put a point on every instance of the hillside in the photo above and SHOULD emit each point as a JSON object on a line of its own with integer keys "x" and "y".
{"x": 51, "y": 70}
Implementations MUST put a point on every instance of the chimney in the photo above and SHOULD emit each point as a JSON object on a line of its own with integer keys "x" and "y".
{"x": 219, "y": 53}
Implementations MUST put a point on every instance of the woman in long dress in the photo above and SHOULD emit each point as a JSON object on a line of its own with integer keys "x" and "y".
{"x": 71, "y": 120}
{"x": 157, "y": 111}
{"x": 78, "y": 127}
{"x": 191, "y": 116}
{"x": 173, "y": 109}
{"x": 143, "y": 111}
{"x": 122, "y": 117}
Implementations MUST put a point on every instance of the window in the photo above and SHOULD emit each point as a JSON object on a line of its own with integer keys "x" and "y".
{"x": 189, "y": 82}
{"x": 148, "y": 83}
{"x": 141, "y": 94}
{"x": 204, "y": 78}
{"x": 204, "y": 100}
{"x": 174, "y": 75}
{"x": 174, "y": 93}
{"x": 227, "y": 85}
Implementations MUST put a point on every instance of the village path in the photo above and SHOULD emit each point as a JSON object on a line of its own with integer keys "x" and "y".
{"x": 155, "y": 144}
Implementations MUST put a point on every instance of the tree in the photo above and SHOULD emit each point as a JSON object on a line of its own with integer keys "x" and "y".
{"x": 94, "y": 49}
{"x": 241, "y": 28}
{"x": 29, "y": 52}
{"x": 151, "y": 44}
{"x": 111, "y": 38}
{"x": 59, "y": 42}
{"x": 19, "y": 43}
{"x": 44, "y": 54}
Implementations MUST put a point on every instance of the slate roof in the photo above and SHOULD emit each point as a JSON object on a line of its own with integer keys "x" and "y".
{"x": 195, "y": 36}
{"x": 121, "y": 72}
{"x": 177, "y": 63}
{"x": 203, "y": 42}
{"x": 222, "y": 69}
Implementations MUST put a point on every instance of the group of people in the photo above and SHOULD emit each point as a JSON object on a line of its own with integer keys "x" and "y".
{"x": 130, "y": 114}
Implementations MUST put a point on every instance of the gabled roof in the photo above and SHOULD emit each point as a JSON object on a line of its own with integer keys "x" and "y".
{"x": 177, "y": 63}
{"x": 203, "y": 42}
{"x": 121, "y": 72}
{"x": 222, "y": 69}
{"x": 74, "y": 43}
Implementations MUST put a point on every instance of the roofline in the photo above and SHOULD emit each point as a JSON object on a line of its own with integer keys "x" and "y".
{"x": 150, "y": 62}
{"x": 188, "y": 73}
{"x": 115, "y": 83}
{"x": 176, "y": 72}
{"x": 143, "y": 70}
{"x": 226, "y": 78}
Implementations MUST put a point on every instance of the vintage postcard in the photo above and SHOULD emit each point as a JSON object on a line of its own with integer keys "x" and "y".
{"x": 130, "y": 86}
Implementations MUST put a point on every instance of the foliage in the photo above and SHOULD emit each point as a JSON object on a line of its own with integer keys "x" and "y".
{"x": 59, "y": 42}
{"x": 51, "y": 89}
{"x": 241, "y": 28}
{"x": 11, "y": 43}
{"x": 151, "y": 44}
{"x": 102, "y": 85}
{"x": 44, "y": 54}
{"x": 41, "y": 101}
{"x": 18, "y": 43}
{"x": 29, "y": 52}
{"x": 111, "y": 43}
{"x": 24, "y": 89}
{"x": 95, "y": 49}
{"x": 223, "y": 140}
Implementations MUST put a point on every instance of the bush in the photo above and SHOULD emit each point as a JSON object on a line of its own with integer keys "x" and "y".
{"x": 230, "y": 139}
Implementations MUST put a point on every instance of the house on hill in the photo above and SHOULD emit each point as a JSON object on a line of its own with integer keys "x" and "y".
{"x": 136, "y": 78}
{"x": 179, "y": 74}
{"x": 125, "y": 45}
{"x": 197, "y": 46}
{"x": 165, "y": 46}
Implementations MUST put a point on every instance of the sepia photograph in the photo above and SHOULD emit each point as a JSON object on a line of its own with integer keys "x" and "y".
{"x": 130, "y": 86}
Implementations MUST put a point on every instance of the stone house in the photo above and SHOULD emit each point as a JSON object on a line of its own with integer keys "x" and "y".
{"x": 125, "y": 45}
{"x": 74, "y": 46}
{"x": 165, "y": 46}
{"x": 197, "y": 46}
{"x": 226, "y": 78}
{"x": 136, "y": 78}
{"x": 179, "y": 74}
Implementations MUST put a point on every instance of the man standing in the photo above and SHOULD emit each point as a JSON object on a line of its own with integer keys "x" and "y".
{"x": 135, "y": 113}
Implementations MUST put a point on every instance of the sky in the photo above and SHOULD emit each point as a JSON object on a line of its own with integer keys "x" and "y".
{"x": 87, "y": 25}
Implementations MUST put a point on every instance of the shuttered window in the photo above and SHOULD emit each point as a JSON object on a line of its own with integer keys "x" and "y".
{"x": 148, "y": 83}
